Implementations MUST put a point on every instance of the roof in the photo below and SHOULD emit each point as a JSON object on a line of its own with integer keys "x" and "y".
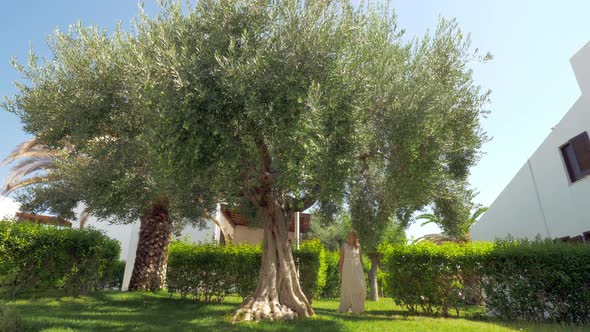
{"x": 236, "y": 219}
{"x": 42, "y": 219}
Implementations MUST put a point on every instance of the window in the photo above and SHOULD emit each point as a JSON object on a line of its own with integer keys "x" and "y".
{"x": 576, "y": 155}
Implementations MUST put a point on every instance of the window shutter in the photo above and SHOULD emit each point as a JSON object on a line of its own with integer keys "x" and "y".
{"x": 581, "y": 147}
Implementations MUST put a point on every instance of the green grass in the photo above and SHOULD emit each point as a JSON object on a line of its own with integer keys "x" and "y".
{"x": 116, "y": 311}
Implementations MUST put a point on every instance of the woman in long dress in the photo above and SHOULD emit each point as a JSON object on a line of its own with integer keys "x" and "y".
{"x": 352, "y": 276}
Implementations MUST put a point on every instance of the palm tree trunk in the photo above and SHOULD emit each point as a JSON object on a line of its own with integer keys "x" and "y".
{"x": 151, "y": 259}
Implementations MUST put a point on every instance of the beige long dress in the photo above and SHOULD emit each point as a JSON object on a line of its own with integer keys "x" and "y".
{"x": 353, "y": 291}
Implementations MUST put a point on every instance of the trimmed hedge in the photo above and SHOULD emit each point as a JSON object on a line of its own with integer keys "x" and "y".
{"x": 209, "y": 272}
{"x": 332, "y": 287}
{"x": 46, "y": 257}
{"x": 116, "y": 279}
{"x": 538, "y": 281}
{"x": 430, "y": 277}
{"x": 311, "y": 259}
{"x": 541, "y": 281}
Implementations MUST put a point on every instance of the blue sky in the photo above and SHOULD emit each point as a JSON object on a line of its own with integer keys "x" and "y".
{"x": 531, "y": 80}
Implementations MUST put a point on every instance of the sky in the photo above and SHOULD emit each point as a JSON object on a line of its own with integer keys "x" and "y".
{"x": 531, "y": 80}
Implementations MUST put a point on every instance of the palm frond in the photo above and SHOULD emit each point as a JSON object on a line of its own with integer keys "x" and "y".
{"x": 478, "y": 213}
{"x": 29, "y": 166}
{"x": 425, "y": 216}
{"x": 10, "y": 187}
{"x": 29, "y": 149}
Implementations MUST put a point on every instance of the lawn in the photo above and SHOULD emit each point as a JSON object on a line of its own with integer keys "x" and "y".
{"x": 116, "y": 311}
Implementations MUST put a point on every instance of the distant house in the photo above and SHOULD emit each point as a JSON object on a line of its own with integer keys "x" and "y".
{"x": 550, "y": 194}
{"x": 42, "y": 219}
{"x": 233, "y": 227}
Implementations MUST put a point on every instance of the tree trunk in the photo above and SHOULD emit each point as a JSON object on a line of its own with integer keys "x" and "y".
{"x": 374, "y": 296}
{"x": 278, "y": 294}
{"x": 151, "y": 260}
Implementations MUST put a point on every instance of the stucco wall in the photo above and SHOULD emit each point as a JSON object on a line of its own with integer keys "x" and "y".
{"x": 251, "y": 235}
{"x": 540, "y": 199}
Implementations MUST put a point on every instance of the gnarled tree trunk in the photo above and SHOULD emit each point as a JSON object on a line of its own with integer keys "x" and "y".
{"x": 278, "y": 294}
{"x": 374, "y": 295}
{"x": 151, "y": 259}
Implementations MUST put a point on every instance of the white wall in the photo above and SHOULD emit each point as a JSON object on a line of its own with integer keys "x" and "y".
{"x": 540, "y": 199}
{"x": 128, "y": 237}
{"x": 193, "y": 234}
{"x": 8, "y": 207}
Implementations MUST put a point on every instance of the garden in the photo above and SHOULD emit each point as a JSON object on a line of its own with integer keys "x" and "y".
{"x": 267, "y": 110}
{"x": 48, "y": 281}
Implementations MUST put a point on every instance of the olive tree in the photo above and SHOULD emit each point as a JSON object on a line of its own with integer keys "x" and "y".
{"x": 273, "y": 107}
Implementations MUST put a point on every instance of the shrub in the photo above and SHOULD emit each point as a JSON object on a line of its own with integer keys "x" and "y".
{"x": 116, "y": 279}
{"x": 46, "y": 257}
{"x": 209, "y": 272}
{"x": 522, "y": 280}
{"x": 538, "y": 281}
{"x": 430, "y": 277}
{"x": 312, "y": 267}
{"x": 10, "y": 320}
{"x": 332, "y": 287}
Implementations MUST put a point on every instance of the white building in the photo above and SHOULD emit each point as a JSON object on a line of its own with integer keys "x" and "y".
{"x": 550, "y": 194}
{"x": 128, "y": 236}
{"x": 8, "y": 207}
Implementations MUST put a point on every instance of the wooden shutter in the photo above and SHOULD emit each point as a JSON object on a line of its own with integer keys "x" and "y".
{"x": 581, "y": 147}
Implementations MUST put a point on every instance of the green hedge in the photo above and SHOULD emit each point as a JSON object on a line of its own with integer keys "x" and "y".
{"x": 209, "y": 272}
{"x": 116, "y": 278}
{"x": 527, "y": 280}
{"x": 311, "y": 259}
{"x": 46, "y": 257}
{"x": 332, "y": 287}
{"x": 538, "y": 281}
{"x": 428, "y": 277}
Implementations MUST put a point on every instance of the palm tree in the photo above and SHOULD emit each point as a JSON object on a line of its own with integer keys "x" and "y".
{"x": 430, "y": 219}
{"x": 34, "y": 163}
{"x": 31, "y": 158}
{"x": 474, "y": 217}
{"x": 464, "y": 227}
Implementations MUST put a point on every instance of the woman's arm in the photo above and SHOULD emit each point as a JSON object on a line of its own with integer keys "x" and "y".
{"x": 341, "y": 261}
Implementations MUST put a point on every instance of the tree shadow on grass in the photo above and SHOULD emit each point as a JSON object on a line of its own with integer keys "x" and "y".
{"x": 147, "y": 312}
{"x": 372, "y": 315}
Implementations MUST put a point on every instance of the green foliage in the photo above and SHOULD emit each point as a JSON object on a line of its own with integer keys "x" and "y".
{"x": 429, "y": 277}
{"x": 538, "y": 281}
{"x": 311, "y": 258}
{"x": 209, "y": 272}
{"x": 182, "y": 106}
{"x": 45, "y": 257}
{"x": 116, "y": 279}
{"x": 10, "y": 320}
{"x": 521, "y": 280}
{"x": 331, "y": 289}
{"x": 332, "y": 233}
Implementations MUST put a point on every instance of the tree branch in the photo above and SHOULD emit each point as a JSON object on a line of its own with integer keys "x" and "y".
{"x": 304, "y": 203}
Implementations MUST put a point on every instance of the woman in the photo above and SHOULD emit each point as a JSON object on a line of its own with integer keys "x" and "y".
{"x": 352, "y": 276}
